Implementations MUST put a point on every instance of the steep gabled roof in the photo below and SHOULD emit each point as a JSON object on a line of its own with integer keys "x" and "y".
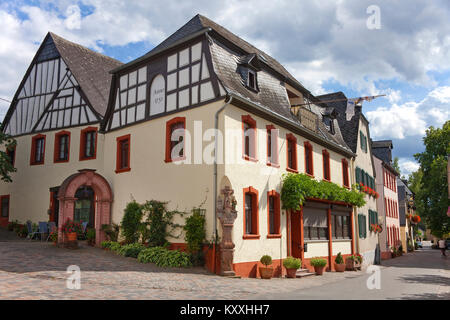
{"x": 90, "y": 68}
{"x": 382, "y": 149}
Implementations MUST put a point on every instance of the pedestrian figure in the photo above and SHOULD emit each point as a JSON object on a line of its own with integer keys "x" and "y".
{"x": 442, "y": 247}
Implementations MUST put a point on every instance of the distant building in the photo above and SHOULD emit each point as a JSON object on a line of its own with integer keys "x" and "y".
{"x": 406, "y": 211}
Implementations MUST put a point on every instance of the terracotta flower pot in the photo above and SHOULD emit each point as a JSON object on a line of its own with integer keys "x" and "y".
{"x": 291, "y": 272}
{"x": 319, "y": 270}
{"x": 339, "y": 267}
{"x": 72, "y": 236}
{"x": 266, "y": 272}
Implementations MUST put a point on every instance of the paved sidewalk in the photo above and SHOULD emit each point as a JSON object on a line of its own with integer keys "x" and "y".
{"x": 37, "y": 270}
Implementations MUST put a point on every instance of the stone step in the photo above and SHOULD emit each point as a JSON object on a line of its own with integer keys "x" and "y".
{"x": 304, "y": 274}
{"x": 302, "y": 271}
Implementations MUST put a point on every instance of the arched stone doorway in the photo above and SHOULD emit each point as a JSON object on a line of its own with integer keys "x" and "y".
{"x": 103, "y": 198}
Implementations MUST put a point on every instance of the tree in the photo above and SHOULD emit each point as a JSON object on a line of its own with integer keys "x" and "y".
{"x": 432, "y": 191}
{"x": 6, "y": 167}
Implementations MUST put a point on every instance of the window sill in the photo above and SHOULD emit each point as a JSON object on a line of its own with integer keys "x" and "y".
{"x": 326, "y": 180}
{"x": 86, "y": 158}
{"x": 309, "y": 175}
{"x": 270, "y": 164}
{"x": 291, "y": 170}
{"x": 60, "y": 161}
{"x": 315, "y": 241}
{"x": 36, "y": 163}
{"x": 251, "y": 236}
{"x": 274, "y": 236}
{"x": 343, "y": 240}
{"x": 249, "y": 158}
{"x": 123, "y": 170}
{"x": 174, "y": 160}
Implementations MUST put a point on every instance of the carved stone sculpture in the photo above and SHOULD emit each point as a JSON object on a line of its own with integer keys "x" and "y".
{"x": 227, "y": 214}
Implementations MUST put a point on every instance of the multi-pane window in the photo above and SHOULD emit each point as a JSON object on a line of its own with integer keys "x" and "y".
{"x": 62, "y": 145}
{"x": 4, "y": 202}
{"x": 309, "y": 169}
{"x": 88, "y": 143}
{"x": 345, "y": 179}
{"x": 37, "y": 149}
{"x": 251, "y": 80}
{"x": 291, "y": 152}
{"x": 363, "y": 139}
{"x": 273, "y": 208}
{"x": 362, "y": 226}
{"x": 250, "y": 213}
{"x": 249, "y": 138}
{"x": 123, "y": 154}
{"x": 326, "y": 165}
{"x": 315, "y": 224}
{"x": 175, "y": 144}
{"x": 272, "y": 145}
{"x": 340, "y": 225}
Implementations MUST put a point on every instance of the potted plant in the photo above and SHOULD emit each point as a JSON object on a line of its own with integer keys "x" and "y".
{"x": 353, "y": 262}
{"x": 292, "y": 264}
{"x": 319, "y": 265}
{"x": 54, "y": 237}
{"x": 70, "y": 229}
{"x": 90, "y": 236}
{"x": 339, "y": 264}
{"x": 266, "y": 272}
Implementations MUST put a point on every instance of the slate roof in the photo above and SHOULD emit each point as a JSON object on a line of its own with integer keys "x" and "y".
{"x": 349, "y": 129}
{"x": 382, "y": 149}
{"x": 91, "y": 70}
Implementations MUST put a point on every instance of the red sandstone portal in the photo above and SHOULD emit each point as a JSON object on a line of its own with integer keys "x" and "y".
{"x": 103, "y": 193}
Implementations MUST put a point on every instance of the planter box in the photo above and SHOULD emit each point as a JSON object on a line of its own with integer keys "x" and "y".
{"x": 339, "y": 267}
{"x": 266, "y": 273}
{"x": 319, "y": 270}
{"x": 352, "y": 265}
{"x": 291, "y": 273}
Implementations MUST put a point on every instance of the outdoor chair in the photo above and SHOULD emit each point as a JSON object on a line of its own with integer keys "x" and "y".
{"x": 43, "y": 229}
{"x": 31, "y": 233}
{"x": 51, "y": 228}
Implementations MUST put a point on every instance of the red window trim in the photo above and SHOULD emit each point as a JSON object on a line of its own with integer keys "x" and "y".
{"x": 277, "y": 215}
{"x": 345, "y": 174}
{"x": 57, "y": 145}
{"x": 255, "y": 212}
{"x": 83, "y": 143}
{"x": 326, "y": 155}
{"x": 252, "y": 124}
{"x": 291, "y": 138}
{"x": 274, "y": 146}
{"x": 119, "y": 153}
{"x": 33, "y": 150}
{"x": 169, "y": 124}
{"x": 9, "y": 206}
{"x": 309, "y": 154}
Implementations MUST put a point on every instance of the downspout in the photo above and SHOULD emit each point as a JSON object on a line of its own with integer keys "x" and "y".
{"x": 355, "y": 209}
{"x": 216, "y": 127}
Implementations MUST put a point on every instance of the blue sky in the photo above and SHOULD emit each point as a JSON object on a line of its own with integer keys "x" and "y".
{"x": 326, "y": 45}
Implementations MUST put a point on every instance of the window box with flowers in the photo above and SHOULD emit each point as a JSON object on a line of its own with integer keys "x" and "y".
{"x": 377, "y": 228}
{"x": 366, "y": 189}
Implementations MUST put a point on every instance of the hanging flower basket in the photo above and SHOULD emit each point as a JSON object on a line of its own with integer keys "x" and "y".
{"x": 415, "y": 219}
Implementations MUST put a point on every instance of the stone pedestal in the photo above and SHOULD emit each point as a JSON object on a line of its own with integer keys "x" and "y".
{"x": 227, "y": 214}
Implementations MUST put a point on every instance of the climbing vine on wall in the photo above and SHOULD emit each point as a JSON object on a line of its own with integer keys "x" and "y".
{"x": 296, "y": 188}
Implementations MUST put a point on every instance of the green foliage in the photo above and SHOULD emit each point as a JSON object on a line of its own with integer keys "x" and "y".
{"x": 292, "y": 263}
{"x": 318, "y": 262}
{"x": 266, "y": 260}
{"x": 12, "y": 225}
{"x": 106, "y": 244}
{"x": 158, "y": 224}
{"x": 111, "y": 231}
{"x": 90, "y": 235}
{"x": 6, "y": 167}
{"x": 131, "y": 250}
{"x": 298, "y": 187}
{"x": 195, "y": 230}
{"x": 165, "y": 258}
{"x": 339, "y": 259}
{"x": 431, "y": 197}
{"x": 115, "y": 246}
{"x": 131, "y": 222}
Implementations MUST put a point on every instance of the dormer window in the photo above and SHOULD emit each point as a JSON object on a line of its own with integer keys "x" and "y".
{"x": 328, "y": 121}
{"x": 251, "y": 80}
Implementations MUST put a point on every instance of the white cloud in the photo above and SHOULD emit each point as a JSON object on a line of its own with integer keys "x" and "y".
{"x": 411, "y": 118}
{"x": 73, "y": 20}
{"x": 394, "y": 96}
{"x": 407, "y": 166}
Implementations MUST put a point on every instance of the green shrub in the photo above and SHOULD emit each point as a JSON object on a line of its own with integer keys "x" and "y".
{"x": 115, "y": 246}
{"x": 106, "y": 244}
{"x": 266, "y": 260}
{"x": 339, "y": 259}
{"x": 12, "y": 225}
{"x": 165, "y": 258}
{"x": 90, "y": 236}
{"x": 131, "y": 250}
{"x": 21, "y": 230}
{"x": 318, "y": 262}
{"x": 292, "y": 263}
{"x": 112, "y": 231}
{"x": 131, "y": 222}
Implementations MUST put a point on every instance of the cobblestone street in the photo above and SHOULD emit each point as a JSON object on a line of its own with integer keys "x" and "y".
{"x": 37, "y": 270}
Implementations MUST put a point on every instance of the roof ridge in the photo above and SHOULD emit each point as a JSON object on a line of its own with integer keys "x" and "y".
{"x": 59, "y": 38}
